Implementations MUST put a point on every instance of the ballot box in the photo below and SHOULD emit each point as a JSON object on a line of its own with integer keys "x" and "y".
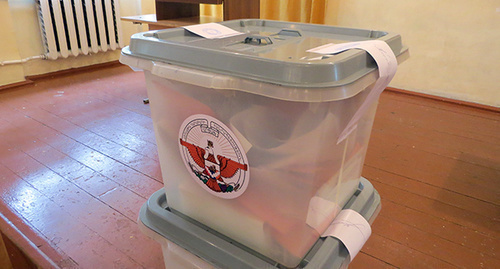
{"x": 262, "y": 126}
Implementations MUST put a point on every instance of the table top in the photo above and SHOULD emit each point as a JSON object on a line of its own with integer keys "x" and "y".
{"x": 179, "y": 22}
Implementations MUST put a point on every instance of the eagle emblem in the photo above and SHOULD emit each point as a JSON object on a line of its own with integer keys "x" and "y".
{"x": 213, "y": 156}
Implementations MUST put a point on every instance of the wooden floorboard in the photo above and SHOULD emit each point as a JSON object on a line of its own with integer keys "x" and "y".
{"x": 78, "y": 159}
{"x": 398, "y": 187}
{"x": 95, "y": 182}
{"x": 437, "y": 168}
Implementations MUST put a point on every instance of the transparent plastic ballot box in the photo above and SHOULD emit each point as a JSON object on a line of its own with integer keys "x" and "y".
{"x": 248, "y": 126}
{"x": 187, "y": 243}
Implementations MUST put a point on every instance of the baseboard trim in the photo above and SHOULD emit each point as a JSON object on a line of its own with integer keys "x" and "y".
{"x": 17, "y": 84}
{"x": 71, "y": 70}
{"x": 445, "y": 99}
{"x": 32, "y": 79}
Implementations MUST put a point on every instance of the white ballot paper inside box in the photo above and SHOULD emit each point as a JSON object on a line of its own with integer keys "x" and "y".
{"x": 387, "y": 65}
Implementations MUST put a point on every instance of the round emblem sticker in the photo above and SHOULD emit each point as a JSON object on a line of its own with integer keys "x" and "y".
{"x": 213, "y": 156}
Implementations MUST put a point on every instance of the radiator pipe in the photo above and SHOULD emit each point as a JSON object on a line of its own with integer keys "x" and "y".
{"x": 20, "y": 61}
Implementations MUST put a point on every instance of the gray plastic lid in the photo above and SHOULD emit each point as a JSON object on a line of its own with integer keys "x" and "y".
{"x": 268, "y": 51}
{"x": 222, "y": 252}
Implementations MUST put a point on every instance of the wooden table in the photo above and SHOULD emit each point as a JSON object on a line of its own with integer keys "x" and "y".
{"x": 154, "y": 24}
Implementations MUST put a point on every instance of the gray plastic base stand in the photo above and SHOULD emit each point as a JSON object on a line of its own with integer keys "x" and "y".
{"x": 222, "y": 252}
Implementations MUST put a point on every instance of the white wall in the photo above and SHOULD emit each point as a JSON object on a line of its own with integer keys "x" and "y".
{"x": 21, "y": 30}
{"x": 454, "y": 44}
{"x": 8, "y": 48}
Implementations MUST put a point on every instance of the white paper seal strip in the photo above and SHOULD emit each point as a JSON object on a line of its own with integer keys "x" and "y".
{"x": 350, "y": 228}
{"x": 387, "y": 65}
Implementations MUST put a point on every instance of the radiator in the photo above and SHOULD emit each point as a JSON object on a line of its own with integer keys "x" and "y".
{"x": 74, "y": 27}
